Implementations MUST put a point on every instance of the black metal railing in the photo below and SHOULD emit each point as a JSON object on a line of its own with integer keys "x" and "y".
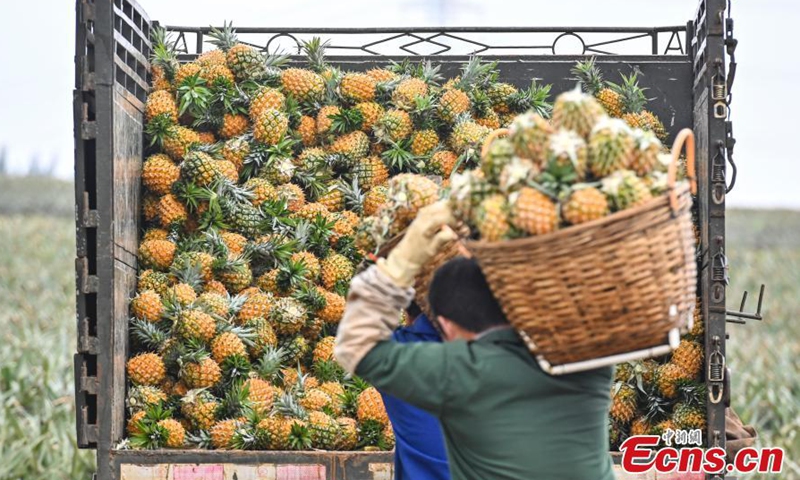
{"x": 436, "y": 41}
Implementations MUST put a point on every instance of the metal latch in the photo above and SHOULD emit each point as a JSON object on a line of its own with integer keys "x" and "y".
{"x": 716, "y": 372}
{"x": 740, "y": 316}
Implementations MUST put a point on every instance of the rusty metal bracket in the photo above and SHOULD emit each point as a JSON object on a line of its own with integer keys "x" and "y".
{"x": 740, "y": 316}
{"x": 716, "y": 372}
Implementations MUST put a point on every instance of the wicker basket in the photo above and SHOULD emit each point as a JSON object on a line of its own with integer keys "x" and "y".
{"x": 615, "y": 289}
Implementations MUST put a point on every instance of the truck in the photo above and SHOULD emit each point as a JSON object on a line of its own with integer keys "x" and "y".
{"x": 687, "y": 71}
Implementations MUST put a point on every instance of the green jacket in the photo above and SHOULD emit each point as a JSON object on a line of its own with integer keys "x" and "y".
{"x": 502, "y": 416}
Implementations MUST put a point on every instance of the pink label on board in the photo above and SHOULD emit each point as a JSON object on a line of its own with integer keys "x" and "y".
{"x": 198, "y": 472}
{"x": 301, "y": 472}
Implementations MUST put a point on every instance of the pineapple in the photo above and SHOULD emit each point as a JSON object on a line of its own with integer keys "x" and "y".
{"x": 592, "y": 82}
{"x": 182, "y": 293}
{"x": 204, "y": 373}
{"x": 206, "y": 138}
{"x": 235, "y": 151}
{"x": 371, "y": 112}
{"x": 245, "y": 62}
{"x": 146, "y": 369}
{"x": 262, "y": 190}
{"x": 423, "y": 142}
{"x": 134, "y": 426}
{"x": 623, "y": 403}
{"x": 370, "y": 172}
{"x": 302, "y": 84}
{"x": 270, "y": 127}
{"x": 265, "y": 98}
{"x": 530, "y": 134}
{"x": 216, "y": 75}
{"x": 370, "y": 407}
{"x": 213, "y": 303}
{"x": 394, "y": 125}
{"x": 490, "y": 120}
{"x": 499, "y": 94}
{"x": 584, "y": 205}
{"x": 236, "y": 276}
{"x": 333, "y": 310}
{"x": 260, "y": 394}
{"x": 222, "y": 433}
{"x": 493, "y": 218}
{"x": 467, "y": 191}
{"x": 640, "y": 426}
{"x": 467, "y": 135}
{"x": 159, "y": 174}
{"x": 295, "y": 348}
{"x": 325, "y": 119}
{"x": 233, "y": 125}
{"x": 634, "y": 102}
{"x": 452, "y": 104}
{"x": 533, "y": 212}
{"x": 625, "y": 190}
{"x": 200, "y": 168}
{"x": 278, "y": 430}
{"x": 611, "y": 147}
{"x": 157, "y": 254}
{"x": 689, "y": 356}
{"x": 408, "y": 91}
{"x": 171, "y": 212}
{"x": 381, "y": 75}
{"x": 357, "y": 87}
{"x": 354, "y": 145}
{"x": 185, "y": 71}
{"x": 668, "y": 376}
{"x": 234, "y": 242}
{"x": 308, "y": 260}
{"x": 409, "y": 193}
{"x": 151, "y": 280}
{"x": 336, "y": 270}
{"x": 178, "y": 140}
{"x": 147, "y": 306}
{"x": 226, "y": 345}
{"x": 567, "y": 156}
{"x": 577, "y": 111}
{"x": 265, "y": 336}
{"x": 149, "y": 207}
{"x": 375, "y": 199}
{"x": 323, "y": 350}
{"x": 176, "y": 434}
{"x": 348, "y": 434}
{"x": 307, "y": 130}
{"x": 287, "y": 316}
{"x": 442, "y": 163}
{"x": 500, "y": 153}
{"x": 324, "y": 430}
{"x": 314, "y": 399}
{"x": 145, "y": 396}
{"x": 200, "y": 407}
{"x": 645, "y": 153}
{"x": 161, "y": 104}
{"x": 255, "y": 306}
{"x": 195, "y": 324}
{"x": 688, "y": 416}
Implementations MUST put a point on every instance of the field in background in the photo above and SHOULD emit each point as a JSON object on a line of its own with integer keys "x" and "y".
{"x": 37, "y": 330}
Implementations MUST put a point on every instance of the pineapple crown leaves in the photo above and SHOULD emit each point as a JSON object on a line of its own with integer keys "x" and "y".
{"x": 633, "y": 98}
{"x": 314, "y": 51}
{"x": 429, "y": 73}
{"x": 158, "y": 129}
{"x": 150, "y": 335}
{"x": 194, "y": 96}
{"x": 191, "y": 351}
{"x": 351, "y": 192}
{"x": 164, "y": 52}
{"x": 287, "y": 406}
{"x": 269, "y": 365}
{"x": 692, "y": 392}
{"x": 236, "y": 401}
{"x": 191, "y": 194}
{"x": 152, "y": 435}
{"x": 236, "y": 369}
{"x": 200, "y": 439}
{"x": 314, "y": 235}
{"x": 398, "y": 157}
{"x": 292, "y": 275}
{"x": 312, "y": 180}
{"x": 300, "y": 437}
{"x": 476, "y": 73}
{"x": 273, "y": 252}
{"x": 404, "y": 67}
{"x": 245, "y": 334}
{"x": 481, "y": 103}
{"x": 423, "y": 115}
{"x": 307, "y": 294}
{"x": 223, "y": 38}
{"x": 534, "y": 98}
{"x": 328, "y": 371}
{"x": 589, "y": 76}
{"x": 346, "y": 120}
{"x": 186, "y": 269}
{"x": 655, "y": 408}
{"x": 347, "y": 246}
{"x": 370, "y": 434}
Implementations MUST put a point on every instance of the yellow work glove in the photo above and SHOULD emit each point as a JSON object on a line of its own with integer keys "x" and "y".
{"x": 428, "y": 233}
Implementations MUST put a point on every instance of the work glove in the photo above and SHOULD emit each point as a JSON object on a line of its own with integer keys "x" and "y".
{"x": 426, "y": 235}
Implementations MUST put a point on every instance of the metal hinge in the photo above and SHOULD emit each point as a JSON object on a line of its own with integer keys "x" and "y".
{"x": 85, "y": 402}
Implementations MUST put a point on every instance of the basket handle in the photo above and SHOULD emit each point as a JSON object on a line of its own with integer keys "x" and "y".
{"x": 684, "y": 138}
{"x": 491, "y": 138}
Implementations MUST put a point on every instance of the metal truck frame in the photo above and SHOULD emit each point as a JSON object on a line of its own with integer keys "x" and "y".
{"x": 684, "y": 67}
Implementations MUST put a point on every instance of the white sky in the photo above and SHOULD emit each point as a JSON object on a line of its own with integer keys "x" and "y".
{"x": 37, "y": 49}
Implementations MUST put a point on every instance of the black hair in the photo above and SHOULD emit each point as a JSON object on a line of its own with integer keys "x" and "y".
{"x": 459, "y": 292}
{"x": 413, "y": 311}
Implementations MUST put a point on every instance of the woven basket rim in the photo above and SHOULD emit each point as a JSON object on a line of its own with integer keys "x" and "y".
{"x": 656, "y": 203}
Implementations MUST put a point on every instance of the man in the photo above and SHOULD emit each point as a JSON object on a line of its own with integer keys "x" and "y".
{"x": 502, "y": 417}
{"x": 419, "y": 452}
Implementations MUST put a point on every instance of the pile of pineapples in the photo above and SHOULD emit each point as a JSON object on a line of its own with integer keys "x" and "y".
{"x": 257, "y": 184}
{"x": 265, "y": 188}
{"x": 600, "y": 152}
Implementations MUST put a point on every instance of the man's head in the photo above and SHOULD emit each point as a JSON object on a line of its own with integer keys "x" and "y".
{"x": 461, "y": 300}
